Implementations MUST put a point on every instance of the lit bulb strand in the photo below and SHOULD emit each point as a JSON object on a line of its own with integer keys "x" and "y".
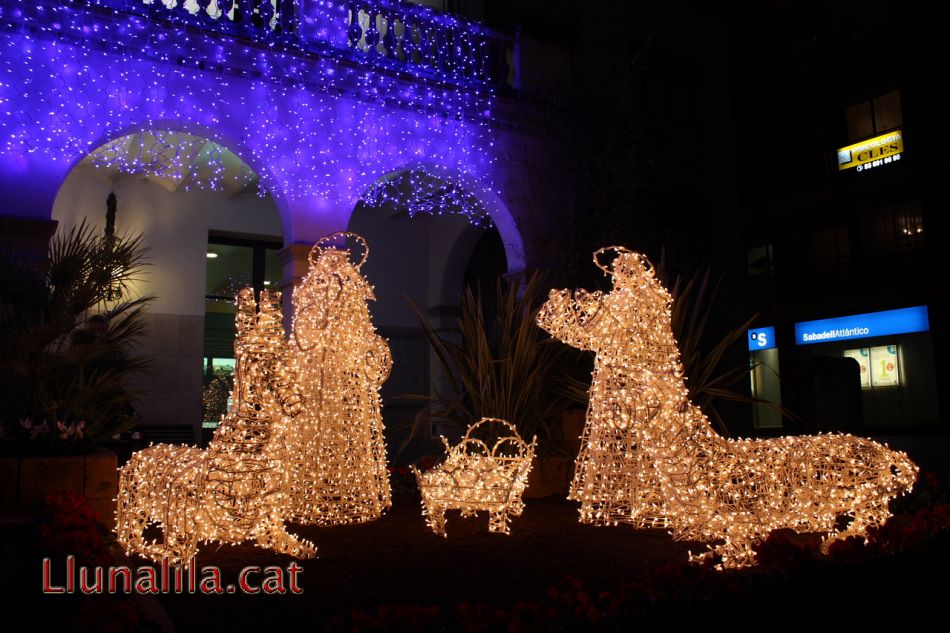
{"x": 650, "y": 457}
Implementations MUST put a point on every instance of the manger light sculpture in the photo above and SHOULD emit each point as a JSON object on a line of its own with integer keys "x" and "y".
{"x": 648, "y": 454}
{"x": 236, "y": 489}
{"x": 474, "y": 477}
{"x": 336, "y": 446}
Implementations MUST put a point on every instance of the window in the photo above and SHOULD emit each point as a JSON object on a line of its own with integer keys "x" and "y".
{"x": 761, "y": 261}
{"x": 233, "y": 262}
{"x": 832, "y": 244}
{"x": 875, "y": 116}
{"x": 893, "y": 228}
{"x": 879, "y": 366}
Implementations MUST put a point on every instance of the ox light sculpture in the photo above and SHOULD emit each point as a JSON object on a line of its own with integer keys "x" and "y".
{"x": 337, "y": 451}
{"x": 236, "y": 489}
{"x": 650, "y": 457}
{"x": 474, "y": 477}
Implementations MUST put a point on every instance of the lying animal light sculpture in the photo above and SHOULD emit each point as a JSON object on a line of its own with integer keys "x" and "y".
{"x": 237, "y": 488}
{"x": 337, "y": 451}
{"x": 475, "y": 477}
{"x": 649, "y": 454}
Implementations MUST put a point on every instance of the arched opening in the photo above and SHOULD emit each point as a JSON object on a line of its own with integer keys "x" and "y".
{"x": 429, "y": 237}
{"x": 210, "y": 228}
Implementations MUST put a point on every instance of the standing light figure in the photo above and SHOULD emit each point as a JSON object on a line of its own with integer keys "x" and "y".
{"x": 237, "y": 488}
{"x": 648, "y": 452}
{"x": 337, "y": 449}
{"x": 475, "y": 477}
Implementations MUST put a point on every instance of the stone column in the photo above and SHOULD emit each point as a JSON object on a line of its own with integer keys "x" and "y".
{"x": 295, "y": 263}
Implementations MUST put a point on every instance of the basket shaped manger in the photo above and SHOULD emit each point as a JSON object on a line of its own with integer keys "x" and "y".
{"x": 475, "y": 477}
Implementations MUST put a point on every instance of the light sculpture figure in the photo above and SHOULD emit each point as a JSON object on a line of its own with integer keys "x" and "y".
{"x": 474, "y": 477}
{"x": 236, "y": 489}
{"x": 338, "y": 453}
{"x": 648, "y": 452}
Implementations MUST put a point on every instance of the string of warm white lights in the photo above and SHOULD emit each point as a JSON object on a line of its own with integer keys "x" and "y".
{"x": 648, "y": 454}
{"x": 237, "y": 488}
{"x": 176, "y": 156}
{"x": 474, "y": 477}
{"x": 336, "y": 446}
{"x": 317, "y": 120}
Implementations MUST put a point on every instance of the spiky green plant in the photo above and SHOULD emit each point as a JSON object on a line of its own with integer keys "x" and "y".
{"x": 506, "y": 367}
{"x": 710, "y": 377}
{"x": 53, "y": 366}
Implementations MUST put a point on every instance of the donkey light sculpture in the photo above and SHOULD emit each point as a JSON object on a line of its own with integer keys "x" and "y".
{"x": 649, "y": 455}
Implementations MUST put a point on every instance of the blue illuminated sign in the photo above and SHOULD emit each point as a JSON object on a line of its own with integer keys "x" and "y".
{"x": 901, "y": 321}
{"x": 761, "y": 338}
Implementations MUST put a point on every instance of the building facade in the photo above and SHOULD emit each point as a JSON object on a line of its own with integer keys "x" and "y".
{"x": 842, "y": 168}
{"x": 234, "y": 135}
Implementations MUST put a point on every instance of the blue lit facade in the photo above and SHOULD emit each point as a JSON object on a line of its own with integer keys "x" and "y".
{"x": 323, "y": 106}
{"x": 336, "y": 106}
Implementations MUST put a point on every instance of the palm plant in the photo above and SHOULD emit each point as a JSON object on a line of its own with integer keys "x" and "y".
{"x": 66, "y": 337}
{"x": 506, "y": 367}
{"x": 709, "y": 382}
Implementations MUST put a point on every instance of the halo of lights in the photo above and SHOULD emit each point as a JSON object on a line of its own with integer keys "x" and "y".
{"x": 237, "y": 488}
{"x": 336, "y": 446}
{"x": 474, "y": 477}
{"x": 648, "y": 455}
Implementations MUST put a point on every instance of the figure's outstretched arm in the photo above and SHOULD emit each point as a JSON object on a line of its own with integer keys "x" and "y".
{"x": 569, "y": 316}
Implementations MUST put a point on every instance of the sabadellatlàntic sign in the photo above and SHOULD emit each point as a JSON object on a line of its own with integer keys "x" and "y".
{"x": 902, "y": 321}
{"x": 873, "y": 152}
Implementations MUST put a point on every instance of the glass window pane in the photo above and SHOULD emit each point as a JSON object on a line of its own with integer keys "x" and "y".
{"x": 228, "y": 272}
{"x": 860, "y": 124}
{"x": 216, "y": 397}
{"x": 885, "y": 366}
{"x": 760, "y": 261}
{"x": 887, "y": 111}
{"x": 863, "y": 359}
{"x": 893, "y": 228}
{"x": 273, "y": 271}
{"x": 832, "y": 244}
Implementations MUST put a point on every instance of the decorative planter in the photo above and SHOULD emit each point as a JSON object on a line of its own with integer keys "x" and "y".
{"x": 551, "y": 474}
{"x": 26, "y": 480}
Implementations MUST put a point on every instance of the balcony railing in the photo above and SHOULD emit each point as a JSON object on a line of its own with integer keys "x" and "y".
{"x": 257, "y": 14}
{"x": 392, "y": 34}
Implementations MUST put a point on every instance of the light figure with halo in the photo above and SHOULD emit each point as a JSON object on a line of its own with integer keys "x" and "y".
{"x": 338, "y": 453}
{"x": 236, "y": 489}
{"x": 649, "y": 454}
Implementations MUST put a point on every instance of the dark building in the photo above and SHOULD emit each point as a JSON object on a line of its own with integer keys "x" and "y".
{"x": 841, "y": 158}
{"x": 717, "y": 133}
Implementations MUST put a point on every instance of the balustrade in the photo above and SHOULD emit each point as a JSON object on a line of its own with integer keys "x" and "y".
{"x": 392, "y": 33}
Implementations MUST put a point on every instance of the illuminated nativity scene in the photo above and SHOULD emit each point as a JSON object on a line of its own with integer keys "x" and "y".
{"x": 650, "y": 456}
{"x": 238, "y": 488}
{"x": 486, "y": 471}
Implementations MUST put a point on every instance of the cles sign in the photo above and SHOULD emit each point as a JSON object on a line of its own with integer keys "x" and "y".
{"x": 873, "y": 152}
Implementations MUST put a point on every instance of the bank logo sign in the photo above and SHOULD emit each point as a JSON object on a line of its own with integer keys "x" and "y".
{"x": 873, "y": 152}
{"x": 902, "y": 321}
{"x": 761, "y": 338}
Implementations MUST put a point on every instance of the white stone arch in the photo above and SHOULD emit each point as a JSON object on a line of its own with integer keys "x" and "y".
{"x": 175, "y": 226}
{"x": 500, "y": 215}
{"x": 224, "y": 137}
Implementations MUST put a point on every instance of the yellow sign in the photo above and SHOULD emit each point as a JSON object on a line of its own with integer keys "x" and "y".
{"x": 873, "y": 152}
